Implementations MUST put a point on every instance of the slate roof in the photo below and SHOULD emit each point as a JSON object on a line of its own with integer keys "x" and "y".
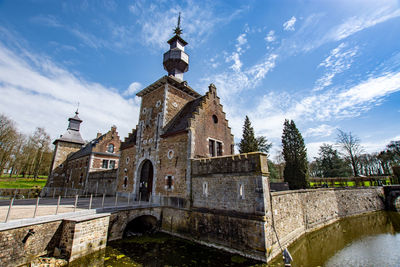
{"x": 88, "y": 148}
{"x": 181, "y": 120}
{"x": 71, "y": 136}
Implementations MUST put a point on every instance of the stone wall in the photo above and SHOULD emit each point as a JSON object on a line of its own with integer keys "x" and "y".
{"x": 228, "y": 231}
{"x": 84, "y": 235}
{"x": 300, "y": 211}
{"x": 231, "y": 183}
{"x": 102, "y": 182}
{"x": 17, "y": 247}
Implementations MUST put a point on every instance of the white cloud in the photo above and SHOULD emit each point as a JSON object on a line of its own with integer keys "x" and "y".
{"x": 132, "y": 89}
{"x": 235, "y": 56}
{"x": 289, "y": 25}
{"x": 270, "y": 36}
{"x": 338, "y": 61}
{"x": 322, "y": 130}
{"x": 40, "y": 93}
{"x": 359, "y": 23}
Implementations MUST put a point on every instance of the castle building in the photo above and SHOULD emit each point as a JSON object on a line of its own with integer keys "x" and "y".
{"x": 175, "y": 124}
{"x": 75, "y": 161}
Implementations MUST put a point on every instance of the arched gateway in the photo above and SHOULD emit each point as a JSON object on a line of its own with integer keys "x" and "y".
{"x": 146, "y": 180}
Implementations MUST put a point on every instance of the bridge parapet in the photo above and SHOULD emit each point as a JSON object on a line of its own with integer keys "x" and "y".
{"x": 392, "y": 197}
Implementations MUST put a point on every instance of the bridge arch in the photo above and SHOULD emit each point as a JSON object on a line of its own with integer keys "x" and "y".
{"x": 140, "y": 225}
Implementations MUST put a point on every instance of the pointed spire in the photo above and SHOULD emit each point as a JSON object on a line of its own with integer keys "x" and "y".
{"x": 178, "y": 29}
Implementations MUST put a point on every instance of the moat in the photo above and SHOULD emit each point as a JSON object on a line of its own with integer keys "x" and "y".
{"x": 367, "y": 240}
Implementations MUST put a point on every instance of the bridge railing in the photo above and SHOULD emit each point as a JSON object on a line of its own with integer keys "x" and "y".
{"x": 15, "y": 208}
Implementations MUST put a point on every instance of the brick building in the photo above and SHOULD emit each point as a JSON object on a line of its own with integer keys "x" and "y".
{"x": 175, "y": 124}
{"x": 74, "y": 161}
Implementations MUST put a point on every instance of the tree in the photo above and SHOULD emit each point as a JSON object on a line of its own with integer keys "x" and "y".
{"x": 42, "y": 141}
{"x": 351, "y": 147}
{"x": 251, "y": 143}
{"x": 8, "y": 137}
{"x": 330, "y": 164}
{"x": 295, "y": 155}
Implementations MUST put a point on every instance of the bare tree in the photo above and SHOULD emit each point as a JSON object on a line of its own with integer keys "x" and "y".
{"x": 351, "y": 147}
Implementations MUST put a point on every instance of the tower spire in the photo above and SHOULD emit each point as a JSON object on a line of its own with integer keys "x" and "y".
{"x": 176, "y": 61}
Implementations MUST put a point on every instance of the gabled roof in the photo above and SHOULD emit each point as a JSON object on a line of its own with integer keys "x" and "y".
{"x": 181, "y": 85}
{"x": 88, "y": 149}
{"x": 181, "y": 120}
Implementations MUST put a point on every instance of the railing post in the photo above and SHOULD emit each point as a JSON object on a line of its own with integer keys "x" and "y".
{"x": 102, "y": 202}
{"x": 76, "y": 202}
{"x": 58, "y": 203}
{"x": 140, "y": 197}
{"x": 54, "y": 192}
{"x": 36, "y": 207}
{"x": 90, "y": 201}
{"x": 151, "y": 198}
{"x": 129, "y": 197}
{"x": 116, "y": 199}
{"x": 9, "y": 209}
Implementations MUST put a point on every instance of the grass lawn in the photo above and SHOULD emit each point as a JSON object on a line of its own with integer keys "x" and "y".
{"x": 7, "y": 182}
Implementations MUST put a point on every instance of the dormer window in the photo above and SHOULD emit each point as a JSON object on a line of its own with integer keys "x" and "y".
{"x": 110, "y": 148}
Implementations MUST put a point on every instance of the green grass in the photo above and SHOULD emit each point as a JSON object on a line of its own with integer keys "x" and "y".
{"x": 21, "y": 182}
{"x": 20, "y": 176}
{"x": 349, "y": 183}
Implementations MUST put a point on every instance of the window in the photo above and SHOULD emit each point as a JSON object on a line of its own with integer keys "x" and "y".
{"x": 110, "y": 148}
{"x": 81, "y": 178}
{"x": 169, "y": 182}
{"x": 127, "y": 160}
{"x": 219, "y": 149}
{"x": 170, "y": 154}
{"x": 211, "y": 147}
{"x": 125, "y": 181}
{"x": 112, "y": 164}
{"x": 105, "y": 164}
{"x": 215, "y": 119}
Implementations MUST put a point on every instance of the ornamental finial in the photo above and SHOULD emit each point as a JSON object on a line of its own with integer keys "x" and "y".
{"x": 178, "y": 29}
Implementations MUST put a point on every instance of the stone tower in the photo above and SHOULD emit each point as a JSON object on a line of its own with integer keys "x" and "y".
{"x": 176, "y": 61}
{"x": 71, "y": 141}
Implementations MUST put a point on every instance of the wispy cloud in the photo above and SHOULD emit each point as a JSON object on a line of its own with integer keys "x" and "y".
{"x": 364, "y": 21}
{"x": 289, "y": 25}
{"x": 322, "y": 130}
{"x": 339, "y": 60}
{"x": 199, "y": 19}
{"x": 270, "y": 36}
{"x": 35, "y": 85}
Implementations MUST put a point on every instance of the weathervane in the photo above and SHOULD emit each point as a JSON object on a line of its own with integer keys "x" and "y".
{"x": 76, "y": 112}
{"x": 178, "y": 29}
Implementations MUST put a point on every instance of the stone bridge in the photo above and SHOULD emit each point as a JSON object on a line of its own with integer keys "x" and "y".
{"x": 392, "y": 197}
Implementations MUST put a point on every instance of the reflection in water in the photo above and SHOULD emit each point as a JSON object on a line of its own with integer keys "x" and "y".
{"x": 325, "y": 245}
{"x": 366, "y": 240}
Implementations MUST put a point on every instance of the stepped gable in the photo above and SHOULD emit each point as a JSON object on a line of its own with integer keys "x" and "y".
{"x": 181, "y": 121}
{"x": 130, "y": 140}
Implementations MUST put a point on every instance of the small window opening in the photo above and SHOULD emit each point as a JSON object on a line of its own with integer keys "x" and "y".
{"x": 127, "y": 160}
{"x": 81, "y": 178}
{"x": 241, "y": 191}
{"x": 215, "y": 118}
{"x": 205, "y": 189}
{"x": 110, "y": 148}
{"x": 125, "y": 181}
{"x": 169, "y": 181}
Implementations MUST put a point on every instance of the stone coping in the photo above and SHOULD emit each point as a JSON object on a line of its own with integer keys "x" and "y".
{"x": 50, "y": 218}
{"x": 322, "y": 189}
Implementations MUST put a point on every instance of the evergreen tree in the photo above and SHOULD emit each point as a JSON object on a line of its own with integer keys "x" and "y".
{"x": 251, "y": 143}
{"x": 295, "y": 155}
{"x": 330, "y": 164}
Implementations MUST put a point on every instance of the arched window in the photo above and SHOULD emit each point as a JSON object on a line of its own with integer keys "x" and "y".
{"x": 110, "y": 148}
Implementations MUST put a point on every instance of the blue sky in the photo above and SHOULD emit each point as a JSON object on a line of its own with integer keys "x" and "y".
{"x": 325, "y": 64}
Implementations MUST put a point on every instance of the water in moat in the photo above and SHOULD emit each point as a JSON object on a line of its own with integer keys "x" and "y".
{"x": 366, "y": 240}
